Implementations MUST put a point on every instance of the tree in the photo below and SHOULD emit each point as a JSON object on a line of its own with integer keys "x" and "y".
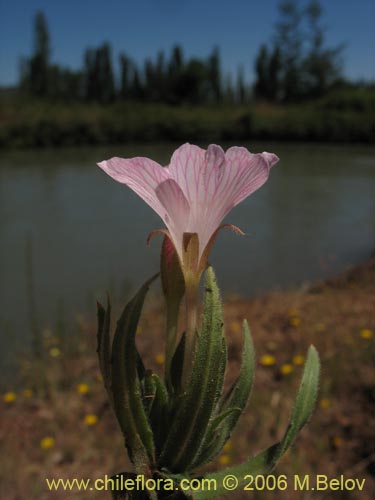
{"x": 105, "y": 76}
{"x": 125, "y": 64}
{"x": 90, "y": 75}
{"x": 99, "y": 83}
{"x": 241, "y": 88}
{"x": 322, "y": 66}
{"x": 298, "y": 65}
{"x": 214, "y": 75}
{"x": 274, "y": 75}
{"x": 40, "y": 61}
{"x": 289, "y": 41}
{"x": 262, "y": 74}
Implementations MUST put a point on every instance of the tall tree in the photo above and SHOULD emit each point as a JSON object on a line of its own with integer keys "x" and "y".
{"x": 262, "y": 73}
{"x": 214, "y": 75}
{"x": 289, "y": 40}
{"x": 322, "y": 65}
{"x": 90, "y": 83}
{"x": 125, "y": 76}
{"x": 274, "y": 75}
{"x": 40, "y": 60}
{"x": 105, "y": 76}
{"x": 241, "y": 88}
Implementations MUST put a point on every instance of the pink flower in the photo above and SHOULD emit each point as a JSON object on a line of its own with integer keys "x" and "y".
{"x": 194, "y": 193}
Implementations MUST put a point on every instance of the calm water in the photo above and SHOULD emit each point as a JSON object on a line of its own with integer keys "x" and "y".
{"x": 313, "y": 218}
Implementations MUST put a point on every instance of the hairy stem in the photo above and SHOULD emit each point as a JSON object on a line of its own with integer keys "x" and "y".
{"x": 191, "y": 302}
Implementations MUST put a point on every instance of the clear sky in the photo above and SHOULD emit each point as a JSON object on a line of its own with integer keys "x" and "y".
{"x": 142, "y": 27}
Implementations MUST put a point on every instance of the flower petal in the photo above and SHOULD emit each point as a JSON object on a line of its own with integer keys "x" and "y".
{"x": 142, "y": 175}
{"x": 176, "y": 210}
{"x": 246, "y": 172}
{"x": 198, "y": 173}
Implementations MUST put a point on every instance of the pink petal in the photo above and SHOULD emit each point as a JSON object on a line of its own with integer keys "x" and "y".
{"x": 198, "y": 173}
{"x": 176, "y": 210}
{"x": 141, "y": 175}
{"x": 242, "y": 174}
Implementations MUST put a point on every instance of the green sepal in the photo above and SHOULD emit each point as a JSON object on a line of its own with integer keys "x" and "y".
{"x": 126, "y": 391}
{"x": 197, "y": 404}
{"x": 265, "y": 462}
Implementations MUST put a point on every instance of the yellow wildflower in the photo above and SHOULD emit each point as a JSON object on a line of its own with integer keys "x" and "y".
{"x": 325, "y": 403}
{"x": 286, "y": 369}
{"x": 294, "y": 321}
{"x": 337, "y": 441}
{"x": 55, "y": 352}
{"x": 160, "y": 359}
{"x": 298, "y": 359}
{"x": 47, "y": 442}
{"x": 82, "y": 388}
{"x": 9, "y": 397}
{"x": 224, "y": 459}
{"x": 27, "y": 393}
{"x": 90, "y": 419}
{"x": 267, "y": 360}
{"x": 366, "y": 333}
{"x": 235, "y": 326}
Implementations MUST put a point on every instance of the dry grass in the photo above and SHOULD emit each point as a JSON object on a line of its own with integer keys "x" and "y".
{"x": 334, "y": 316}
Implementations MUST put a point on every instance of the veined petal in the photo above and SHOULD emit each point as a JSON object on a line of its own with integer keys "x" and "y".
{"x": 247, "y": 172}
{"x": 176, "y": 210}
{"x": 186, "y": 168}
{"x": 142, "y": 175}
{"x": 240, "y": 175}
{"x": 198, "y": 173}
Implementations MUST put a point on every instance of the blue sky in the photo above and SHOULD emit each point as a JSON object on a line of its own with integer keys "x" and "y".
{"x": 142, "y": 27}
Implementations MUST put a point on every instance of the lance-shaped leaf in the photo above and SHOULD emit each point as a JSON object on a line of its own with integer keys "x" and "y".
{"x": 158, "y": 413}
{"x": 265, "y": 462}
{"x": 176, "y": 365}
{"x": 198, "y": 403}
{"x": 149, "y": 391}
{"x": 305, "y": 402}
{"x": 126, "y": 391}
{"x": 232, "y": 405}
{"x": 103, "y": 343}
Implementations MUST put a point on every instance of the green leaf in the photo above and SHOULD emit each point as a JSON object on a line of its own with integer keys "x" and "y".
{"x": 103, "y": 343}
{"x": 149, "y": 391}
{"x": 159, "y": 413}
{"x": 127, "y": 399}
{"x": 198, "y": 402}
{"x": 176, "y": 365}
{"x": 305, "y": 401}
{"x": 265, "y": 462}
{"x": 232, "y": 406}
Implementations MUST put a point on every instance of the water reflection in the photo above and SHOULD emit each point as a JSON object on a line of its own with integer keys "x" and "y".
{"x": 313, "y": 218}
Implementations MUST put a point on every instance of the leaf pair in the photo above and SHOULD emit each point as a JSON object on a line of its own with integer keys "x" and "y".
{"x": 120, "y": 367}
{"x": 265, "y": 462}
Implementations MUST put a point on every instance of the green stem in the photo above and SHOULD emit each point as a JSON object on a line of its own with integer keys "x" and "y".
{"x": 191, "y": 302}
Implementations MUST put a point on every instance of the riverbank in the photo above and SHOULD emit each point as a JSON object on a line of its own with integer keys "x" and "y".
{"x": 64, "y": 428}
{"x": 346, "y": 116}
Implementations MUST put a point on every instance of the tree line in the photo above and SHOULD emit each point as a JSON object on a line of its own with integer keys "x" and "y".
{"x": 294, "y": 65}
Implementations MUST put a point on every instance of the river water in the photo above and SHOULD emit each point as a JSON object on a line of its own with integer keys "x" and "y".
{"x": 313, "y": 218}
